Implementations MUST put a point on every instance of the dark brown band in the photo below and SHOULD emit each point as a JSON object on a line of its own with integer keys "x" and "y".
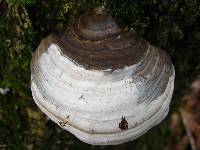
{"x": 99, "y": 41}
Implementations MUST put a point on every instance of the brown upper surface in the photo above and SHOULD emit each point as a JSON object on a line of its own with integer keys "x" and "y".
{"x": 99, "y": 41}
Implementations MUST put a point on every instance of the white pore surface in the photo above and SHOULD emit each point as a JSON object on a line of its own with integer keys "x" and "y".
{"x": 91, "y": 103}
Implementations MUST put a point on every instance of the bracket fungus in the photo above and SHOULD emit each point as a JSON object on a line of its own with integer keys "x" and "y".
{"x": 101, "y": 81}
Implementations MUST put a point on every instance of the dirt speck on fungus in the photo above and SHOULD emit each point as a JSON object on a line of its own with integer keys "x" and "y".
{"x": 62, "y": 123}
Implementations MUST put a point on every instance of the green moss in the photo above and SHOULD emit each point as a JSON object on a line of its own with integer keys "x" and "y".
{"x": 171, "y": 25}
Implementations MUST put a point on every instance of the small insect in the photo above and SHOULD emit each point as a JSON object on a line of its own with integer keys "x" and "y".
{"x": 123, "y": 125}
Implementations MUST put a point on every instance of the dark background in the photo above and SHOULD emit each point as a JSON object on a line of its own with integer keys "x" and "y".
{"x": 171, "y": 25}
